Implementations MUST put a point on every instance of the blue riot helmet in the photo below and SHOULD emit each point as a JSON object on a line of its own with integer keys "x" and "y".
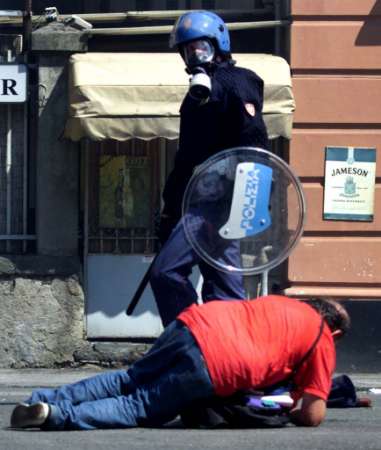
{"x": 201, "y": 24}
{"x": 200, "y": 36}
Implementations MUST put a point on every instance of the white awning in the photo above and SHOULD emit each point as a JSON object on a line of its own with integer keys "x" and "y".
{"x": 138, "y": 95}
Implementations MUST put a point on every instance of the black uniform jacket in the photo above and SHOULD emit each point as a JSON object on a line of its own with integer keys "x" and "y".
{"x": 226, "y": 120}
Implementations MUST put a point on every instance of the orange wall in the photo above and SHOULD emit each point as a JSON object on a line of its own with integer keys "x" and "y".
{"x": 308, "y": 8}
{"x": 335, "y": 55}
{"x": 336, "y": 44}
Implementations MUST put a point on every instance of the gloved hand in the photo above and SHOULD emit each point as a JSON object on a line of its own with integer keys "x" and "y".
{"x": 165, "y": 227}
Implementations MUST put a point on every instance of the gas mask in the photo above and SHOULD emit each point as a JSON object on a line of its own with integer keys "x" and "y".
{"x": 198, "y": 55}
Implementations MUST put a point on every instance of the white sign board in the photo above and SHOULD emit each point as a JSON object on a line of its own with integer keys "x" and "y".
{"x": 13, "y": 83}
{"x": 350, "y": 174}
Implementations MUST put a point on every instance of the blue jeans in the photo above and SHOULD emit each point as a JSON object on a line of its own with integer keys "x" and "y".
{"x": 170, "y": 273}
{"x": 152, "y": 392}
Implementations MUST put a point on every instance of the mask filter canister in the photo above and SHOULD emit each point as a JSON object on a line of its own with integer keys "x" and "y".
{"x": 200, "y": 85}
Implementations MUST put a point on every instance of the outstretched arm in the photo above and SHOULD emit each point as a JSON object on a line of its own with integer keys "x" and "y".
{"x": 310, "y": 413}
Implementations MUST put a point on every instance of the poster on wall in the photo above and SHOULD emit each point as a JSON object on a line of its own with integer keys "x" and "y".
{"x": 125, "y": 186}
{"x": 349, "y": 185}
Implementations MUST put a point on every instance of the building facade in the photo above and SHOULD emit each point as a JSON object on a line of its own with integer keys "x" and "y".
{"x": 79, "y": 207}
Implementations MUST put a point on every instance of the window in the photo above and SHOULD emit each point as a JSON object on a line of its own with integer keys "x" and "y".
{"x": 122, "y": 199}
{"x": 14, "y": 212}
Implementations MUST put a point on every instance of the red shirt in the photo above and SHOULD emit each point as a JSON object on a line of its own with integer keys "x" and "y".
{"x": 254, "y": 344}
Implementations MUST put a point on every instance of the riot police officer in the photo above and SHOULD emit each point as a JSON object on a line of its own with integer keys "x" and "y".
{"x": 222, "y": 109}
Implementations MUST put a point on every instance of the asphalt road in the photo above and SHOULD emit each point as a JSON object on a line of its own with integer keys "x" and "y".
{"x": 354, "y": 428}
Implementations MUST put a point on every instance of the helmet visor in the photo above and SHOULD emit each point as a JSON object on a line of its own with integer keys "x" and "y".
{"x": 197, "y": 52}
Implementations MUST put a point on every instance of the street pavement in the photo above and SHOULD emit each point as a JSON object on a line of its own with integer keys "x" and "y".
{"x": 352, "y": 428}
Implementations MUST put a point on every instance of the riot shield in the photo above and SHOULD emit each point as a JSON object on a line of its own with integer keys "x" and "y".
{"x": 244, "y": 201}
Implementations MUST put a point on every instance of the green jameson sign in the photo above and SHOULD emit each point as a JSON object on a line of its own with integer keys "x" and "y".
{"x": 350, "y": 174}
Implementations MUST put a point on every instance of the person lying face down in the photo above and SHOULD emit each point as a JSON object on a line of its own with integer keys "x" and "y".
{"x": 217, "y": 348}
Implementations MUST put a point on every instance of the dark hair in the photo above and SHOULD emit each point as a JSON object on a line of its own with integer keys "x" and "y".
{"x": 332, "y": 312}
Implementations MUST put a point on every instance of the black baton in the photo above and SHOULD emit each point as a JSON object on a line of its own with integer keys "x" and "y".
{"x": 139, "y": 291}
